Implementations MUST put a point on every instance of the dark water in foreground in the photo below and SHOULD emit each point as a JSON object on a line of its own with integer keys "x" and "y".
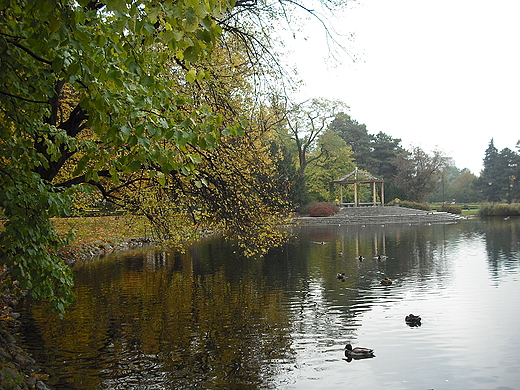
{"x": 150, "y": 319}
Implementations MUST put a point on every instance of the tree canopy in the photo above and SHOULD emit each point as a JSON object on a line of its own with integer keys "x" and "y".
{"x": 419, "y": 173}
{"x": 373, "y": 153}
{"x": 130, "y": 101}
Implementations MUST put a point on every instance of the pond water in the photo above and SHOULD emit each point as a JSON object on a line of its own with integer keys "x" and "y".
{"x": 207, "y": 319}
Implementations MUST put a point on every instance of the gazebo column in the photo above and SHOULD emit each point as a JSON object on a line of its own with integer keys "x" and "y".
{"x": 353, "y": 179}
{"x": 341, "y": 194}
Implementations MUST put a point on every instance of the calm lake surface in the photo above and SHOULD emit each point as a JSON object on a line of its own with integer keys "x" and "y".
{"x": 152, "y": 319}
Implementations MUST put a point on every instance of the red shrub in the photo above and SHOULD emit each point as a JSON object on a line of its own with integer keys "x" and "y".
{"x": 322, "y": 210}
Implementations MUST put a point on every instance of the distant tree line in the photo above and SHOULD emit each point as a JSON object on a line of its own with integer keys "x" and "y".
{"x": 324, "y": 146}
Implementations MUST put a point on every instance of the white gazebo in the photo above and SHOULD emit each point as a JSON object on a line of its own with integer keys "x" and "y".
{"x": 356, "y": 177}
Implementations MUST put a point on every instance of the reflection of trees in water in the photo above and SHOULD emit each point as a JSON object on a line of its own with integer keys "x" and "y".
{"x": 136, "y": 322}
{"x": 208, "y": 317}
{"x": 417, "y": 250}
{"x": 502, "y": 238}
{"x": 413, "y": 253}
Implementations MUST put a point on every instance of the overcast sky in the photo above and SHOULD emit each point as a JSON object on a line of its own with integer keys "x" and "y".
{"x": 439, "y": 74}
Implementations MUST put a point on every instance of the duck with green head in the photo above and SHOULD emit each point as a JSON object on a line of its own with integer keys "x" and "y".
{"x": 358, "y": 352}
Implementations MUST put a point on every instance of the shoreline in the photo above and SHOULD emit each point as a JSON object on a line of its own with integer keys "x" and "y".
{"x": 378, "y": 215}
{"x": 86, "y": 251}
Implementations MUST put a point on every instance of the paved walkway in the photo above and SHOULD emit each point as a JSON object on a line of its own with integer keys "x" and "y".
{"x": 379, "y": 215}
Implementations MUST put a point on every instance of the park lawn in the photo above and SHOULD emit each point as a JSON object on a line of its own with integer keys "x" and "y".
{"x": 106, "y": 228}
{"x": 466, "y": 212}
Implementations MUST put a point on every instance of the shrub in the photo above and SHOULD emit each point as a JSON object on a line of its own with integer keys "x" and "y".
{"x": 322, "y": 209}
{"x": 411, "y": 205}
{"x": 451, "y": 208}
{"x": 499, "y": 209}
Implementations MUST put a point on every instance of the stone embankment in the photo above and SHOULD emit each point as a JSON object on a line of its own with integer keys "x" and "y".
{"x": 379, "y": 215}
{"x": 18, "y": 370}
{"x": 96, "y": 248}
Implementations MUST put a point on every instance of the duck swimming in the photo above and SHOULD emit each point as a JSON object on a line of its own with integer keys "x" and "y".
{"x": 340, "y": 276}
{"x": 358, "y": 352}
{"x": 413, "y": 320}
{"x": 386, "y": 281}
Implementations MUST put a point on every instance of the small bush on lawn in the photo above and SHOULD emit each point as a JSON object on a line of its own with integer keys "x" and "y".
{"x": 450, "y": 208}
{"x": 411, "y": 205}
{"x": 322, "y": 209}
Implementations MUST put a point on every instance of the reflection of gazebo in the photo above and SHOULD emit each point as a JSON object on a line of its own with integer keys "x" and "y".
{"x": 355, "y": 177}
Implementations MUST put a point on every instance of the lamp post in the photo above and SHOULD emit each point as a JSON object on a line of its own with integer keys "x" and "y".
{"x": 442, "y": 178}
{"x": 442, "y": 184}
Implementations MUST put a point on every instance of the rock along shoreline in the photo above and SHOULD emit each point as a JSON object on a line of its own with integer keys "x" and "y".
{"x": 91, "y": 249}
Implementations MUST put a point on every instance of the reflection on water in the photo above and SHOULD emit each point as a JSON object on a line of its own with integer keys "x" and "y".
{"x": 152, "y": 319}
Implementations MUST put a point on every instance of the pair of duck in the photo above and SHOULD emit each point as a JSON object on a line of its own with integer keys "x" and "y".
{"x": 364, "y": 353}
{"x": 385, "y": 282}
{"x": 361, "y": 258}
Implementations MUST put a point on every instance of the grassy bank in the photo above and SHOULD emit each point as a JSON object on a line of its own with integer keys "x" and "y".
{"x": 88, "y": 229}
{"x": 466, "y": 208}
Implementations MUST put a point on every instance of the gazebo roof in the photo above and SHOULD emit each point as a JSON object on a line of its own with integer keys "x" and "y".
{"x": 357, "y": 176}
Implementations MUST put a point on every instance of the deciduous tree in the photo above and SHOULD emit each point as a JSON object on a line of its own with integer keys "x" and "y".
{"x": 418, "y": 172}
{"x": 334, "y": 162}
{"x": 121, "y": 98}
{"x": 305, "y": 122}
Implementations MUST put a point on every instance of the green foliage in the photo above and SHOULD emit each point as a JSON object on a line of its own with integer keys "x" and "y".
{"x": 499, "y": 209}
{"x": 410, "y": 205}
{"x": 373, "y": 153}
{"x": 29, "y": 241}
{"x": 463, "y": 188}
{"x": 334, "y": 161}
{"x": 304, "y": 135}
{"x": 450, "y": 208}
{"x": 419, "y": 173}
{"x": 103, "y": 92}
{"x": 354, "y": 134}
